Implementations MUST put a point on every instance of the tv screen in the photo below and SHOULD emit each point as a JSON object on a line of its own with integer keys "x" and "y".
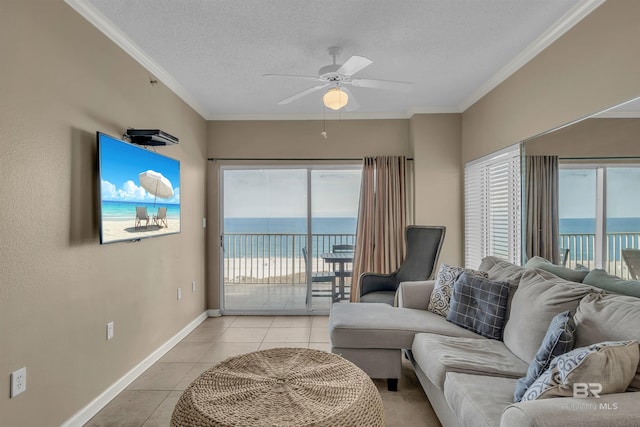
{"x": 139, "y": 191}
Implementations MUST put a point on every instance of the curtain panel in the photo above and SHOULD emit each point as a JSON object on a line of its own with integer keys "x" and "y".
{"x": 382, "y": 218}
{"x": 542, "y": 218}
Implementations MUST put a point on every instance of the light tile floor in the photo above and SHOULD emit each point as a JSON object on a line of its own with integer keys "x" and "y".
{"x": 150, "y": 399}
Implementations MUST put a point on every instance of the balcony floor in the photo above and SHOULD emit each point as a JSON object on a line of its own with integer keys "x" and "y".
{"x": 275, "y": 297}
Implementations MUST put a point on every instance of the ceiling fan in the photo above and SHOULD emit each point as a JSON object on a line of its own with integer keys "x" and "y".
{"x": 338, "y": 76}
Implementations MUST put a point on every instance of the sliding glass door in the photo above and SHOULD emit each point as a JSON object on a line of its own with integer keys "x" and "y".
{"x": 279, "y": 228}
{"x": 599, "y": 215}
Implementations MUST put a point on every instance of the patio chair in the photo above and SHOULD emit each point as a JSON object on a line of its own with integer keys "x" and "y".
{"x": 632, "y": 259}
{"x": 320, "y": 277}
{"x": 161, "y": 218}
{"x": 141, "y": 215}
{"x": 423, "y": 248}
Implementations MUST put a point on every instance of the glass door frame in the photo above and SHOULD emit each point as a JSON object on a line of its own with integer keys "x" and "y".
{"x": 306, "y": 165}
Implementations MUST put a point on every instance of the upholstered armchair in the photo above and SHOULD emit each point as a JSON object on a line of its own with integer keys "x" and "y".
{"x": 423, "y": 245}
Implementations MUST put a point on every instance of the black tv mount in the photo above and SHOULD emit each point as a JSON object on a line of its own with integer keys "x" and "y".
{"x": 153, "y": 137}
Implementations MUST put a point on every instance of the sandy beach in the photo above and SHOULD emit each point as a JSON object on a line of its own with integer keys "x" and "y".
{"x": 114, "y": 230}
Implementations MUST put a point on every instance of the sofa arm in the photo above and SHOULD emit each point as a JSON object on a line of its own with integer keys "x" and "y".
{"x": 618, "y": 409}
{"x": 415, "y": 294}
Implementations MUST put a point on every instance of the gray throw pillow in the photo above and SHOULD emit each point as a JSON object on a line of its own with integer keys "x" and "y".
{"x": 560, "y": 271}
{"x": 559, "y": 339}
{"x": 479, "y": 304}
{"x": 601, "y": 279}
{"x": 441, "y": 294}
{"x": 609, "y": 365}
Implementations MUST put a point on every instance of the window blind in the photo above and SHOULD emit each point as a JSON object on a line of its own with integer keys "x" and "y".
{"x": 492, "y": 207}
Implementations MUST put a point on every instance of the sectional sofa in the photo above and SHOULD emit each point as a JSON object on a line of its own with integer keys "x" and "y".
{"x": 471, "y": 380}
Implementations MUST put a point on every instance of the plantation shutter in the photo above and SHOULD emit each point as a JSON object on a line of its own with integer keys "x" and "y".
{"x": 492, "y": 207}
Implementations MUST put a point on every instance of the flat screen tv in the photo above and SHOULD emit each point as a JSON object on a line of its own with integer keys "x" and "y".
{"x": 139, "y": 191}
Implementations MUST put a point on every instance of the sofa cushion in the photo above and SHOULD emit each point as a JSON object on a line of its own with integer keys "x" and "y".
{"x": 376, "y": 325}
{"x": 610, "y": 364}
{"x": 479, "y": 304}
{"x": 540, "y": 296}
{"x": 601, "y": 279}
{"x": 438, "y": 354}
{"x": 499, "y": 269}
{"x": 606, "y": 318}
{"x": 559, "y": 339}
{"x": 441, "y": 295}
{"x": 478, "y": 400}
{"x": 386, "y": 297}
{"x": 560, "y": 271}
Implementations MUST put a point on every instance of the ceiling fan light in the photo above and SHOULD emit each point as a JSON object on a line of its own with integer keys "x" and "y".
{"x": 335, "y": 98}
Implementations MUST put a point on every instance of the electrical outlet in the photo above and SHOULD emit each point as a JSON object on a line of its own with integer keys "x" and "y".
{"x": 193, "y": 286}
{"x": 109, "y": 330}
{"x": 179, "y": 293}
{"x": 18, "y": 382}
{"x": 204, "y": 222}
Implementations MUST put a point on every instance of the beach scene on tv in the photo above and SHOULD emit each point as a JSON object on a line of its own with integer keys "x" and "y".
{"x": 140, "y": 192}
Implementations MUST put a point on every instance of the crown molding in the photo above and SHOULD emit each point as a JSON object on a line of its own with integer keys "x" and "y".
{"x": 314, "y": 116}
{"x": 102, "y": 23}
{"x": 564, "y": 24}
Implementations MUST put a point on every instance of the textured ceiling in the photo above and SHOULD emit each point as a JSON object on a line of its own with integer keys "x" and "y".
{"x": 214, "y": 53}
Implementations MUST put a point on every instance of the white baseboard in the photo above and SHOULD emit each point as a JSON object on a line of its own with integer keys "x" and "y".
{"x": 214, "y": 313}
{"x": 86, "y": 413}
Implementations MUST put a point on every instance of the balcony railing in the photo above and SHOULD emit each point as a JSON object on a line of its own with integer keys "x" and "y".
{"x": 582, "y": 250}
{"x": 275, "y": 258}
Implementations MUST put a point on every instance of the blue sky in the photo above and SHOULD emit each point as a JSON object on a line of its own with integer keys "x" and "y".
{"x": 120, "y": 164}
{"x": 578, "y": 193}
{"x": 282, "y": 193}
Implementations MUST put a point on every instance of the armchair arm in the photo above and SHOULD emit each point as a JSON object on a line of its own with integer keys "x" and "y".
{"x": 373, "y": 282}
{"x": 618, "y": 409}
{"x": 415, "y": 294}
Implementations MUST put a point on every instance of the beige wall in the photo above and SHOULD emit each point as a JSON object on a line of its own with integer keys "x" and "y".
{"x": 435, "y": 139}
{"x": 599, "y": 138}
{"x": 62, "y": 80}
{"x": 593, "y": 66}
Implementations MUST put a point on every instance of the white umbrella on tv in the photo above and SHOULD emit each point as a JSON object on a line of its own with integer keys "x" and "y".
{"x": 157, "y": 184}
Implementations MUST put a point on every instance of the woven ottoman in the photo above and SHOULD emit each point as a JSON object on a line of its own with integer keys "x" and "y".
{"x": 281, "y": 387}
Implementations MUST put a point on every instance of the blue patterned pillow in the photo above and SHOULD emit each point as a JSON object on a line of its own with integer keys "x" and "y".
{"x": 611, "y": 365}
{"x": 558, "y": 340}
{"x": 440, "y": 299}
{"x": 479, "y": 304}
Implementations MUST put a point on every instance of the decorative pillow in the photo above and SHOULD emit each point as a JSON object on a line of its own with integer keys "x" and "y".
{"x": 540, "y": 297}
{"x": 441, "y": 295}
{"x": 479, "y": 304}
{"x": 559, "y": 339}
{"x": 603, "y": 280}
{"x": 609, "y": 365}
{"x": 560, "y": 271}
{"x": 608, "y": 318}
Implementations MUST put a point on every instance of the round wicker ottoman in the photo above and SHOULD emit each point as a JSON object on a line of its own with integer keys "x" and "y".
{"x": 281, "y": 387}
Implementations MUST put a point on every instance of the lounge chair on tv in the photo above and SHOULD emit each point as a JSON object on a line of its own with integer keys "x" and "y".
{"x": 161, "y": 218}
{"x": 141, "y": 215}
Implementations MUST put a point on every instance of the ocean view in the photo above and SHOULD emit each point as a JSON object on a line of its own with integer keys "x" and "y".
{"x": 284, "y": 237}
{"x": 126, "y": 211}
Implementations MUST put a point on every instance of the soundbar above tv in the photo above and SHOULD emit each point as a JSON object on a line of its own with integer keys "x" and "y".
{"x": 154, "y": 137}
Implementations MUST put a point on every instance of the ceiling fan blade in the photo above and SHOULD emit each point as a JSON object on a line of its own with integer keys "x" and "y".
{"x": 352, "y": 105}
{"x": 303, "y": 93}
{"x": 354, "y": 64}
{"x": 295, "y": 76}
{"x": 380, "y": 84}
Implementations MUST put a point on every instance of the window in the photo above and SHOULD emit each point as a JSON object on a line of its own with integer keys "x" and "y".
{"x": 599, "y": 214}
{"x": 492, "y": 212}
